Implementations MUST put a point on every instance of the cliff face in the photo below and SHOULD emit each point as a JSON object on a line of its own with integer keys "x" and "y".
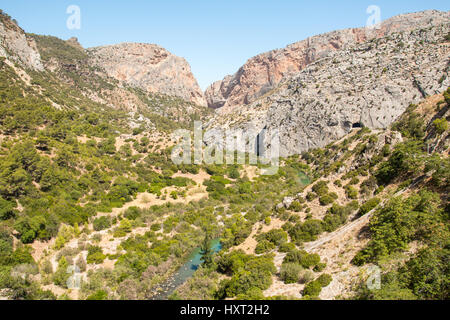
{"x": 266, "y": 71}
{"x": 368, "y": 84}
{"x": 16, "y": 46}
{"x": 148, "y": 67}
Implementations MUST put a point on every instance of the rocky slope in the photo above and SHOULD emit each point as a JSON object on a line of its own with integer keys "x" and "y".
{"x": 368, "y": 84}
{"x": 264, "y": 72}
{"x": 16, "y": 46}
{"x": 148, "y": 67}
{"x": 144, "y": 66}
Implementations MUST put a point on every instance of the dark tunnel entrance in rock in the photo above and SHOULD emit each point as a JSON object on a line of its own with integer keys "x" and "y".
{"x": 357, "y": 125}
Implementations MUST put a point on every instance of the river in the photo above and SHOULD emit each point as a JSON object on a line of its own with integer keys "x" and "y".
{"x": 184, "y": 272}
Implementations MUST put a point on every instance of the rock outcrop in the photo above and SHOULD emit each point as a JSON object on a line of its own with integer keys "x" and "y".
{"x": 266, "y": 71}
{"x": 16, "y": 46}
{"x": 368, "y": 84}
{"x": 149, "y": 67}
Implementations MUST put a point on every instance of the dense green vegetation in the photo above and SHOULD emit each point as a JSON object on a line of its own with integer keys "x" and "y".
{"x": 421, "y": 217}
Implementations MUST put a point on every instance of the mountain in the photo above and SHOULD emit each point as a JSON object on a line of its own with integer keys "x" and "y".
{"x": 93, "y": 207}
{"x": 149, "y": 67}
{"x": 144, "y": 66}
{"x": 266, "y": 71}
{"x": 368, "y": 84}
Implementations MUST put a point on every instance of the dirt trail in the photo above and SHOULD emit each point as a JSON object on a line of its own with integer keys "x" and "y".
{"x": 339, "y": 233}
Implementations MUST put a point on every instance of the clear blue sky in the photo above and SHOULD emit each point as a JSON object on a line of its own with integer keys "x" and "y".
{"x": 215, "y": 37}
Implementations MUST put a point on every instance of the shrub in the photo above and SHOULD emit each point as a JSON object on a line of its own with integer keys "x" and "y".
{"x": 132, "y": 213}
{"x": 306, "y": 276}
{"x": 441, "y": 125}
{"x": 312, "y": 289}
{"x": 286, "y": 247}
{"x": 290, "y": 272}
{"x": 296, "y": 206}
{"x": 368, "y": 206}
{"x": 264, "y": 246}
{"x": 407, "y": 158}
{"x": 324, "y": 279}
{"x": 351, "y": 192}
{"x": 101, "y": 223}
{"x": 338, "y": 183}
{"x": 98, "y": 295}
{"x": 95, "y": 255}
{"x": 320, "y": 188}
{"x": 303, "y": 258}
{"x": 275, "y": 236}
{"x": 320, "y": 267}
{"x": 328, "y": 198}
{"x": 411, "y": 124}
{"x": 6, "y": 209}
{"x": 307, "y": 231}
{"x": 310, "y": 196}
{"x": 155, "y": 227}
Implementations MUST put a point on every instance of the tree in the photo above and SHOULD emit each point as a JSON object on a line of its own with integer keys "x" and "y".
{"x": 207, "y": 252}
{"x": 61, "y": 275}
{"x": 6, "y": 209}
{"x": 441, "y": 125}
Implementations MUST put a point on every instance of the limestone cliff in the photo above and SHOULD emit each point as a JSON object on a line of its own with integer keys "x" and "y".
{"x": 368, "y": 84}
{"x": 16, "y": 46}
{"x": 264, "y": 72}
{"x": 148, "y": 67}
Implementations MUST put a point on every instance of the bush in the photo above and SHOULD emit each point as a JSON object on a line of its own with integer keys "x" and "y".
{"x": 310, "y": 196}
{"x": 306, "y": 276}
{"x": 6, "y": 209}
{"x": 275, "y": 236}
{"x": 101, "y": 223}
{"x": 324, "y": 279}
{"x": 338, "y": 183}
{"x": 247, "y": 272}
{"x": 302, "y": 258}
{"x": 308, "y": 231}
{"x": 368, "y": 206}
{"x": 155, "y": 227}
{"x": 328, "y": 198}
{"x": 441, "y": 125}
{"x": 320, "y": 267}
{"x": 95, "y": 255}
{"x": 407, "y": 158}
{"x": 296, "y": 206}
{"x": 264, "y": 246}
{"x": 411, "y": 124}
{"x": 290, "y": 272}
{"x": 286, "y": 247}
{"x": 312, "y": 289}
{"x": 132, "y": 213}
{"x": 98, "y": 295}
{"x": 351, "y": 192}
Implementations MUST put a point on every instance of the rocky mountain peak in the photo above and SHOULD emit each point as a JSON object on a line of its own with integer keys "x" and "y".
{"x": 266, "y": 71}
{"x": 148, "y": 67}
{"x": 369, "y": 84}
{"x": 74, "y": 43}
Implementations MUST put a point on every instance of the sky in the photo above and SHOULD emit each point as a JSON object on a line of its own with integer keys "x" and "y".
{"x": 215, "y": 37}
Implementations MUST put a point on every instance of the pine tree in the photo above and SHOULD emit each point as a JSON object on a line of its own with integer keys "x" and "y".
{"x": 207, "y": 252}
